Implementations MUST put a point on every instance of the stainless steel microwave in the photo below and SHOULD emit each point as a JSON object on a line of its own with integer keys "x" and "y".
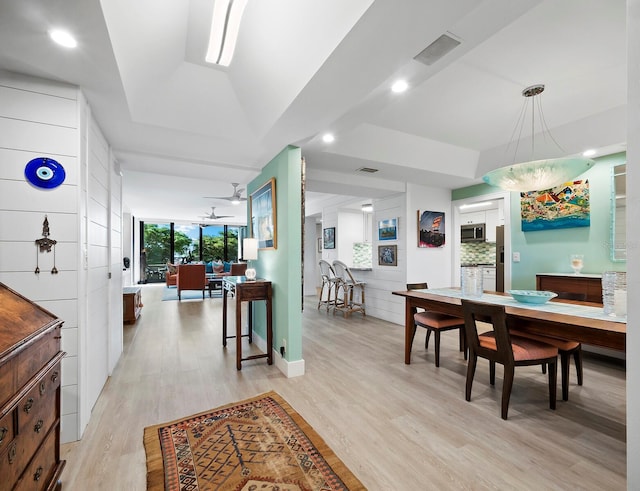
{"x": 474, "y": 232}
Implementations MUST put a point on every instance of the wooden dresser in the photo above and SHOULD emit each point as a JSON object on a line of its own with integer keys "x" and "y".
{"x": 588, "y": 284}
{"x": 30, "y": 373}
{"x": 131, "y": 303}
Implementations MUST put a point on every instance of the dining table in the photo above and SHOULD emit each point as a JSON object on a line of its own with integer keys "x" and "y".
{"x": 571, "y": 320}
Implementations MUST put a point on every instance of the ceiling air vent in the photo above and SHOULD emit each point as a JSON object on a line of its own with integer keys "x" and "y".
{"x": 436, "y": 50}
{"x": 367, "y": 169}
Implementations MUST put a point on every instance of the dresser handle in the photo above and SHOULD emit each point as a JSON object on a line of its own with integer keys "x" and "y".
{"x": 28, "y": 405}
{"x": 38, "y": 473}
{"x": 12, "y": 452}
{"x": 54, "y": 376}
{"x": 3, "y": 432}
{"x": 43, "y": 386}
{"x": 38, "y": 426}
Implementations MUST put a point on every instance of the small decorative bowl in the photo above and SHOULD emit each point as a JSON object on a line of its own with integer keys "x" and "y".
{"x": 532, "y": 296}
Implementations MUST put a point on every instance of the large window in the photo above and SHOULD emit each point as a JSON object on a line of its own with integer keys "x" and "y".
{"x": 175, "y": 243}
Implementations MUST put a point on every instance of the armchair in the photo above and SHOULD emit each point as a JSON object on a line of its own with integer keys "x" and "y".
{"x": 191, "y": 277}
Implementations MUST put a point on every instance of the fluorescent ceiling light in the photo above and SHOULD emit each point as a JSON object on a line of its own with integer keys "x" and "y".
{"x": 63, "y": 38}
{"x": 399, "y": 86}
{"x": 367, "y": 208}
{"x": 589, "y": 153}
{"x": 475, "y": 205}
{"x": 328, "y": 138}
{"x": 225, "y": 26}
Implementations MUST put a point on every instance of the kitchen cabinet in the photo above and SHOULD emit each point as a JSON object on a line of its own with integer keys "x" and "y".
{"x": 489, "y": 278}
{"x": 491, "y": 222}
{"x": 473, "y": 217}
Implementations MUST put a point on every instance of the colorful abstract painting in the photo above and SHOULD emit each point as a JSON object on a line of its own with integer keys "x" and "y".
{"x": 431, "y": 229}
{"x": 565, "y": 206}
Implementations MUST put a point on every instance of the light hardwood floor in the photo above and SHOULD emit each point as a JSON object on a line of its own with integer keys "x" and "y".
{"x": 396, "y": 426}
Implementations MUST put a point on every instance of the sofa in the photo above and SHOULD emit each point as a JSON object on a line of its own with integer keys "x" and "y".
{"x": 191, "y": 277}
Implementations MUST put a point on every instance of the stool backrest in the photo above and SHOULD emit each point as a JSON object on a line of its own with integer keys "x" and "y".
{"x": 326, "y": 270}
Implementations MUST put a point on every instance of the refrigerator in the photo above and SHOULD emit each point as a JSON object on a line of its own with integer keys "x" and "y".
{"x": 500, "y": 258}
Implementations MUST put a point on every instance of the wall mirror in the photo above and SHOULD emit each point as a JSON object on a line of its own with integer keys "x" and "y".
{"x": 619, "y": 212}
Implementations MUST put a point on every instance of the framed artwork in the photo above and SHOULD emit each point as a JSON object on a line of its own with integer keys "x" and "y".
{"x": 262, "y": 208}
{"x": 319, "y": 244}
{"x": 388, "y": 229}
{"x": 388, "y": 255}
{"x": 565, "y": 206}
{"x": 431, "y": 229}
{"x": 329, "y": 238}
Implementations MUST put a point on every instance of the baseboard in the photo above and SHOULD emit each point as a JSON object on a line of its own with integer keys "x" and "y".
{"x": 290, "y": 369}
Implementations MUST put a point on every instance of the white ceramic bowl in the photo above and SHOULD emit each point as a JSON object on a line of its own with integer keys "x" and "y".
{"x": 532, "y": 296}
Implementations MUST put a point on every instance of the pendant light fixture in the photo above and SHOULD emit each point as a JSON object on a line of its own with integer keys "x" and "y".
{"x": 538, "y": 174}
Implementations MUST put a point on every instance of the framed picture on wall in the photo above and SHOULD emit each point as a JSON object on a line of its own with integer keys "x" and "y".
{"x": 329, "y": 237}
{"x": 262, "y": 208}
{"x": 388, "y": 229}
{"x": 431, "y": 229}
{"x": 388, "y": 255}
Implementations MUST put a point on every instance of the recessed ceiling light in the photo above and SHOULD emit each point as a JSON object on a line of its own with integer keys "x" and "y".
{"x": 63, "y": 38}
{"x": 589, "y": 153}
{"x": 399, "y": 86}
{"x": 328, "y": 138}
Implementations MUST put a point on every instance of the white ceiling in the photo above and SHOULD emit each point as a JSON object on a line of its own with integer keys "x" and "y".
{"x": 182, "y": 129}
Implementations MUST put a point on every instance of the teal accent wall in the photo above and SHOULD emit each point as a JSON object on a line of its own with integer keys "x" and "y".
{"x": 548, "y": 251}
{"x": 472, "y": 191}
{"x": 283, "y": 266}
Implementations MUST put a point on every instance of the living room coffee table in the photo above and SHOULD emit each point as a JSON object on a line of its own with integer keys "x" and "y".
{"x": 215, "y": 284}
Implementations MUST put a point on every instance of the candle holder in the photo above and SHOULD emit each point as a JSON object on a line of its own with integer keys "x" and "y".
{"x": 577, "y": 263}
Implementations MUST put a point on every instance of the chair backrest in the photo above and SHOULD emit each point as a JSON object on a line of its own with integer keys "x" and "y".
{"x": 340, "y": 269}
{"x": 191, "y": 277}
{"x": 496, "y": 318}
{"x": 343, "y": 272}
{"x": 326, "y": 270}
{"x": 417, "y": 286}
{"x": 572, "y": 296}
{"x": 238, "y": 269}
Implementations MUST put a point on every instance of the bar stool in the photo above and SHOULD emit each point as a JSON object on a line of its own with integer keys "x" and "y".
{"x": 347, "y": 284}
{"x": 328, "y": 285}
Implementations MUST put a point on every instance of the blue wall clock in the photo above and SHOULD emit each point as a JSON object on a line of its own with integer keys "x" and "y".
{"x": 44, "y": 173}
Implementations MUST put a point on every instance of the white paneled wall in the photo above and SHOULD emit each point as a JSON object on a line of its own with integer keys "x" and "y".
{"x": 383, "y": 280}
{"x": 40, "y": 118}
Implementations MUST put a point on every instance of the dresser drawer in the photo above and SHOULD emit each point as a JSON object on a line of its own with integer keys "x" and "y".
{"x": 36, "y": 415}
{"x": 38, "y": 474}
{"x": 38, "y": 353}
{"x": 34, "y": 409}
{"x": 7, "y": 429}
{"x": 7, "y": 380}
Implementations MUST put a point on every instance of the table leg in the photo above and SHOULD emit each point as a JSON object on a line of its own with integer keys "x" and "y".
{"x": 408, "y": 330}
{"x": 269, "y": 330}
{"x": 224, "y": 319}
{"x": 238, "y": 332}
{"x": 250, "y": 315}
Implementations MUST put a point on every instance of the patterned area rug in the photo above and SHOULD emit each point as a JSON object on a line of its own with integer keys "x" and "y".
{"x": 258, "y": 444}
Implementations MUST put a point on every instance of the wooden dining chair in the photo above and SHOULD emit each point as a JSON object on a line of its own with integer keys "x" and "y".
{"x": 566, "y": 349}
{"x": 499, "y": 346}
{"x": 436, "y": 322}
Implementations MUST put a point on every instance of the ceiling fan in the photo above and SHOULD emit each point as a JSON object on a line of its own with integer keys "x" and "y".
{"x": 235, "y": 198}
{"x": 213, "y": 216}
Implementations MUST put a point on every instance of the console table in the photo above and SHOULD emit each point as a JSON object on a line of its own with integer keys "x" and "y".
{"x": 247, "y": 291}
{"x": 587, "y": 284}
{"x": 131, "y": 304}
